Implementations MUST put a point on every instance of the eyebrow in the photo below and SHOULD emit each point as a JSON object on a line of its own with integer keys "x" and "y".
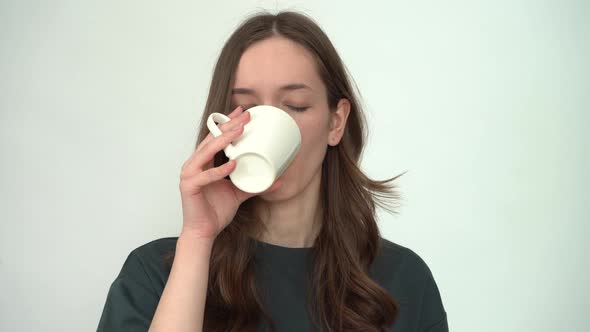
{"x": 288, "y": 87}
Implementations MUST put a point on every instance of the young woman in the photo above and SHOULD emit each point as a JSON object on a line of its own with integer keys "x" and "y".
{"x": 305, "y": 255}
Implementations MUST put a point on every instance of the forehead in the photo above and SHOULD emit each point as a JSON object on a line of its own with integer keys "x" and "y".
{"x": 274, "y": 62}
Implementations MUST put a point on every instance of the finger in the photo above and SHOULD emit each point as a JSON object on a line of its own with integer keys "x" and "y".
{"x": 233, "y": 123}
{"x": 205, "y": 140}
{"x": 237, "y": 111}
{"x": 234, "y": 114}
{"x": 208, "y": 151}
{"x": 244, "y": 117}
{"x": 213, "y": 174}
{"x": 194, "y": 184}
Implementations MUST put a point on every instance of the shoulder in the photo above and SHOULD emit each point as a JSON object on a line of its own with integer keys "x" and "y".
{"x": 148, "y": 261}
{"x": 394, "y": 258}
{"x": 408, "y": 278}
{"x": 401, "y": 271}
{"x": 155, "y": 248}
{"x": 134, "y": 294}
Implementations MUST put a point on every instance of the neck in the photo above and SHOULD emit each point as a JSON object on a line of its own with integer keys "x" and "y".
{"x": 295, "y": 222}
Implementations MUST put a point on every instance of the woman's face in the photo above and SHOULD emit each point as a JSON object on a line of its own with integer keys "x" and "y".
{"x": 279, "y": 72}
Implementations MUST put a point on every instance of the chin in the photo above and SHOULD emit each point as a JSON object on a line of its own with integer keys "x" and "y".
{"x": 282, "y": 193}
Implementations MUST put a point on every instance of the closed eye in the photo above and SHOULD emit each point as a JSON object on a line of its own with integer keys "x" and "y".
{"x": 297, "y": 109}
{"x": 294, "y": 108}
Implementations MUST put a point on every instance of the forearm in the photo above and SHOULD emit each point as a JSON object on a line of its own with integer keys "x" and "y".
{"x": 182, "y": 305}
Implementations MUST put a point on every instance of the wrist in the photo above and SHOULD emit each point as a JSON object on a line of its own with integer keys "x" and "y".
{"x": 204, "y": 230}
{"x": 190, "y": 236}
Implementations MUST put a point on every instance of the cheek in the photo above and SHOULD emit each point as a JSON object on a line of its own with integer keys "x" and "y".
{"x": 314, "y": 133}
{"x": 314, "y": 140}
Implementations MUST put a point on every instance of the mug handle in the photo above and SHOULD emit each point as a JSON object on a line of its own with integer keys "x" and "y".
{"x": 215, "y": 131}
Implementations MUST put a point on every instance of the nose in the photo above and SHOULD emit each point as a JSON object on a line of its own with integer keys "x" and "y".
{"x": 272, "y": 103}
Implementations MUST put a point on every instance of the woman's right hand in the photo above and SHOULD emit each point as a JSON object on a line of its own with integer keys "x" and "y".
{"x": 209, "y": 201}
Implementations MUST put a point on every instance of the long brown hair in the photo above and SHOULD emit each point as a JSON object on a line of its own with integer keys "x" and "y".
{"x": 341, "y": 295}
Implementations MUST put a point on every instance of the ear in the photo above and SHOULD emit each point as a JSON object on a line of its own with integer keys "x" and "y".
{"x": 338, "y": 121}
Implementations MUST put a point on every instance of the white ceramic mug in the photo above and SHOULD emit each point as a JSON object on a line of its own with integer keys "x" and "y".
{"x": 269, "y": 143}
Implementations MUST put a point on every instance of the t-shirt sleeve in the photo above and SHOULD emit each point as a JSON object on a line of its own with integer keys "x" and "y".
{"x": 433, "y": 317}
{"x": 131, "y": 301}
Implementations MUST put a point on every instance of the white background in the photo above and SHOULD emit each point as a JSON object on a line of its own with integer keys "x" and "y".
{"x": 484, "y": 103}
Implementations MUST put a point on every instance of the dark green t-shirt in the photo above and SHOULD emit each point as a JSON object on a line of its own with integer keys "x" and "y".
{"x": 133, "y": 296}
